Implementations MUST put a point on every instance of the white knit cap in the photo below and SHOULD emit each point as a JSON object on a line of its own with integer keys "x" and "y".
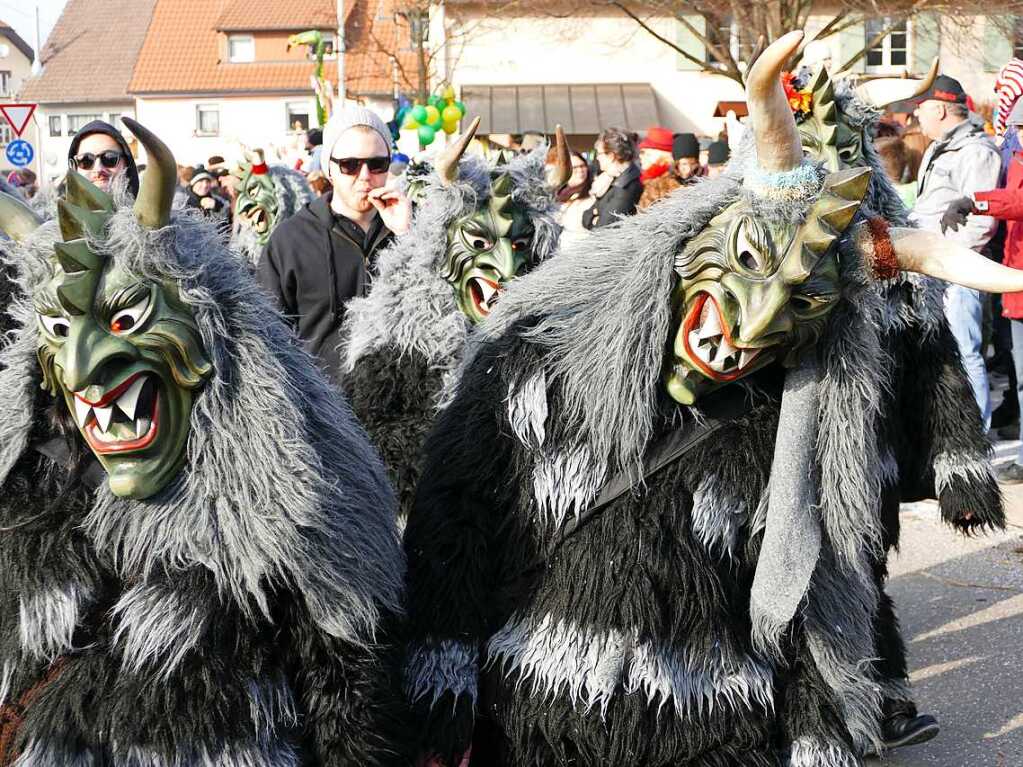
{"x": 346, "y": 118}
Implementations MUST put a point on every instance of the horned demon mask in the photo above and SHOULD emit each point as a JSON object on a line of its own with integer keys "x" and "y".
{"x": 492, "y": 244}
{"x": 121, "y": 349}
{"x": 257, "y": 206}
{"x": 757, "y": 284}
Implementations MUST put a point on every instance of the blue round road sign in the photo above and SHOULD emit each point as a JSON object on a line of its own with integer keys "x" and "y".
{"x": 20, "y": 153}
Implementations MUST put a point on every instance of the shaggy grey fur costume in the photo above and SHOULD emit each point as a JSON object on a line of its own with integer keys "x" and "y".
{"x": 293, "y": 193}
{"x": 631, "y": 642}
{"x": 931, "y": 438}
{"x": 405, "y": 340}
{"x": 238, "y": 618}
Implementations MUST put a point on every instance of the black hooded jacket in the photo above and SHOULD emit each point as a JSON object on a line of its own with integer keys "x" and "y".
{"x": 314, "y": 263}
{"x": 99, "y": 126}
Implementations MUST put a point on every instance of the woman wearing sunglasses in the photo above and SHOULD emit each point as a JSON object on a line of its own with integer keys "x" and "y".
{"x": 325, "y": 254}
{"x": 99, "y": 152}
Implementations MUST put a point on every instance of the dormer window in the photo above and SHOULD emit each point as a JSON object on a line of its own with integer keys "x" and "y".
{"x": 241, "y": 48}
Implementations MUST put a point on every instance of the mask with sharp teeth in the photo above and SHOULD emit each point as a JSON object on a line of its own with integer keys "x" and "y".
{"x": 257, "y": 205}
{"x": 752, "y": 291}
{"x": 487, "y": 249}
{"x": 123, "y": 351}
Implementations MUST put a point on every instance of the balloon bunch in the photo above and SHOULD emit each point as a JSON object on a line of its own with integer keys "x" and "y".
{"x": 441, "y": 112}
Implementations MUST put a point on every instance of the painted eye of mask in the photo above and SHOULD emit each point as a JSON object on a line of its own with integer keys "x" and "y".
{"x": 58, "y": 327}
{"x": 127, "y": 320}
{"x": 522, "y": 244}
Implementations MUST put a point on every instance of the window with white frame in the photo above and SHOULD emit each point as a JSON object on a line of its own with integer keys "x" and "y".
{"x": 56, "y": 125}
{"x": 5, "y": 83}
{"x": 892, "y": 51}
{"x": 6, "y": 135}
{"x": 241, "y": 48}
{"x": 76, "y": 122}
{"x": 724, "y": 32}
{"x": 207, "y": 119}
{"x": 297, "y": 113}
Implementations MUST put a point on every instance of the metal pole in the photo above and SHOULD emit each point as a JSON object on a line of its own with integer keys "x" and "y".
{"x": 339, "y": 51}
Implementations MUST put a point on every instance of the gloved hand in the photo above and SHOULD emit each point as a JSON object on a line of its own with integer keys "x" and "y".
{"x": 956, "y": 215}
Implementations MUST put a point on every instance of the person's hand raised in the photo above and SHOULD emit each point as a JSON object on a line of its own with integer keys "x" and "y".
{"x": 394, "y": 208}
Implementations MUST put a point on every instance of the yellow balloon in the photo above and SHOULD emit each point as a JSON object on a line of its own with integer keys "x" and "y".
{"x": 410, "y": 123}
{"x": 450, "y": 126}
{"x": 451, "y": 114}
{"x": 432, "y": 115}
{"x": 449, "y": 93}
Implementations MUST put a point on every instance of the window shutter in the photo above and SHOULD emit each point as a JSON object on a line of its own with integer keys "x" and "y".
{"x": 997, "y": 43}
{"x": 926, "y": 41}
{"x": 851, "y": 41}
{"x": 689, "y": 42}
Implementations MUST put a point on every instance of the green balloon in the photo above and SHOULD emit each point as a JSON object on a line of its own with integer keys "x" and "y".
{"x": 426, "y": 135}
{"x": 419, "y": 114}
{"x": 435, "y": 101}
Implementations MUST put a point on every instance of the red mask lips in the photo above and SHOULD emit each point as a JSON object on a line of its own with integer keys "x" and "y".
{"x": 125, "y": 419}
{"x": 709, "y": 344}
{"x": 484, "y": 293}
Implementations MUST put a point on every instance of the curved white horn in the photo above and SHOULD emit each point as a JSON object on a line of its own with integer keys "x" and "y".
{"x": 778, "y": 145}
{"x": 883, "y": 91}
{"x": 930, "y": 253}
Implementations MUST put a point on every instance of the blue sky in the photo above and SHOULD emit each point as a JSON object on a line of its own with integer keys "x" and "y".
{"x": 21, "y": 14}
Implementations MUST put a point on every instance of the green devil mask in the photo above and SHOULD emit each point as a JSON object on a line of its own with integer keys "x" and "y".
{"x": 751, "y": 292}
{"x": 828, "y": 135}
{"x": 122, "y": 350}
{"x": 493, "y": 244}
{"x": 755, "y": 289}
{"x": 257, "y": 205}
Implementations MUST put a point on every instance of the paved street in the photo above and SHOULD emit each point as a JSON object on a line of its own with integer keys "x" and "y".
{"x": 961, "y": 605}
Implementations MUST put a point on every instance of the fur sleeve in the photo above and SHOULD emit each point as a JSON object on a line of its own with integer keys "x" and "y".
{"x": 945, "y": 453}
{"x": 356, "y": 715}
{"x": 461, "y": 507}
{"x": 394, "y": 397}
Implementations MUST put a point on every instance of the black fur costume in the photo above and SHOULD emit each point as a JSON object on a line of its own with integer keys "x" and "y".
{"x": 630, "y": 642}
{"x": 405, "y": 340}
{"x": 239, "y": 618}
{"x": 931, "y": 436}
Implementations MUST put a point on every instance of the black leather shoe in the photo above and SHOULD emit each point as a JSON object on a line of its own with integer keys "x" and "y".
{"x": 901, "y": 729}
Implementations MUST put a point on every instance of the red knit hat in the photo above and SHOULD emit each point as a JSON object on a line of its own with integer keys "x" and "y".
{"x": 657, "y": 138}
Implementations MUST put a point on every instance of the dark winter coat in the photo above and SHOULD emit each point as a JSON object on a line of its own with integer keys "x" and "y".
{"x": 312, "y": 266}
{"x": 618, "y": 201}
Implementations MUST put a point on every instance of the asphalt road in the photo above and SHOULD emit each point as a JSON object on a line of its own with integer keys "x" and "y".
{"x": 961, "y": 605}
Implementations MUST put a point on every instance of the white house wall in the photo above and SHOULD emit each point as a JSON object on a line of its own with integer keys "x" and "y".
{"x": 590, "y": 48}
{"x": 254, "y": 122}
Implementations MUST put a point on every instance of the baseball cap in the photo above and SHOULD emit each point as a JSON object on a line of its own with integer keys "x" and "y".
{"x": 946, "y": 89}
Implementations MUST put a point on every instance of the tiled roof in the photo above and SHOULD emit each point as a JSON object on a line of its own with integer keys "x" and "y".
{"x": 8, "y": 31}
{"x": 182, "y": 54}
{"x": 255, "y": 15}
{"x": 80, "y": 63}
{"x": 372, "y": 37}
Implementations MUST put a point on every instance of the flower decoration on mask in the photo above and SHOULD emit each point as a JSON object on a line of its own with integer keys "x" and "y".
{"x": 800, "y": 99}
{"x": 122, "y": 349}
{"x": 257, "y": 205}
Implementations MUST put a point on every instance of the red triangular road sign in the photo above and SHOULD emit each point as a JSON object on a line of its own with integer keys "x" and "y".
{"x": 18, "y": 115}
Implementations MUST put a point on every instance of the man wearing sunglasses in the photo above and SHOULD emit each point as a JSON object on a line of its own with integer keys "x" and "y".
{"x": 325, "y": 254}
{"x": 99, "y": 152}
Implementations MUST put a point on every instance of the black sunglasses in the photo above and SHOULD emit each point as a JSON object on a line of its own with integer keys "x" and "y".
{"x": 351, "y": 166}
{"x": 108, "y": 160}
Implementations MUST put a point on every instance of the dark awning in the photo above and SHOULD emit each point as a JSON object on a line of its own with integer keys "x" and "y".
{"x": 577, "y": 108}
